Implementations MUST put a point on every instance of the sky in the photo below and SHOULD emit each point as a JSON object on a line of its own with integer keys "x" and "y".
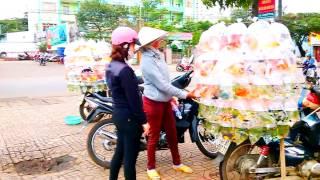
{"x": 16, "y": 8}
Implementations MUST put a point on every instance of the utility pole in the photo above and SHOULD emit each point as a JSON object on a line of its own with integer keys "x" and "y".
{"x": 139, "y": 27}
{"x": 254, "y": 8}
{"x": 140, "y": 14}
{"x": 279, "y": 9}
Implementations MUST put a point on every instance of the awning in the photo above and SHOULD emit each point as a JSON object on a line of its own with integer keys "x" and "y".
{"x": 180, "y": 36}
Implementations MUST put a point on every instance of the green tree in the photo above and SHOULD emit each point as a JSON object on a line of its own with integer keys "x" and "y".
{"x": 13, "y": 25}
{"x": 98, "y": 19}
{"x": 301, "y": 25}
{"x": 196, "y": 28}
{"x": 253, "y": 4}
{"x": 243, "y": 14}
{"x": 149, "y": 10}
{"x": 228, "y": 3}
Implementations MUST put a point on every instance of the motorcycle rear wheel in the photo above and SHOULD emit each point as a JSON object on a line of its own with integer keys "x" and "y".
{"x": 106, "y": 145}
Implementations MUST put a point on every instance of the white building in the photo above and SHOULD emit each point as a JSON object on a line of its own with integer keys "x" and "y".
{"x": 45, "y": 13}
{"x": 196, "y": 10}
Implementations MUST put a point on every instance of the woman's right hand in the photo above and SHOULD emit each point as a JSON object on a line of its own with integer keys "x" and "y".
{"x": 191, "y": 95}
{"x": 146, "y": 129}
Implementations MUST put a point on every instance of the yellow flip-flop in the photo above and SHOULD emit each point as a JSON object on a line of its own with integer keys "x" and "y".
{"x": 183, "y": 168}
{"x": 153, "y": 174}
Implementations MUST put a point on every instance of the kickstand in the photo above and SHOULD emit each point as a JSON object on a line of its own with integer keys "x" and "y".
{"x": 282, "y": 160}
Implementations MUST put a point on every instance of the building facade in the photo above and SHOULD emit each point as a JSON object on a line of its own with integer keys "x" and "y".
{"x": 45, "y": 13}
{"x": 197, "y": 11}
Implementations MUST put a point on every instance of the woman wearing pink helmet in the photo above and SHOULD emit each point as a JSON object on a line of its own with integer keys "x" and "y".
{"x": 128, "y": 115}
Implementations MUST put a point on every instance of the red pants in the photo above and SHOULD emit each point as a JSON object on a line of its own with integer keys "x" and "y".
{"x": 160, "y": 115}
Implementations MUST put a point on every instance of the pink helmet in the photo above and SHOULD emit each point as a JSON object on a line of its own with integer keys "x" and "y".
{"x": 124, "y": 35}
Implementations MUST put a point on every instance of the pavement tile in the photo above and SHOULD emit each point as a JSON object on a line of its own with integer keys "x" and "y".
{"x": 35, "y": 130}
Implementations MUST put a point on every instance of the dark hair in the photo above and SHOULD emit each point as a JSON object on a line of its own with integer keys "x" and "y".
{"x": 119, "y": 52}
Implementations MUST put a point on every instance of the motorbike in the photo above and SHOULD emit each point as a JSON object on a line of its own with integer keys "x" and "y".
{"x": 43, "y": 59}
{"x": 36, "y": 56}
{"x": 306, "y": 66}
{"x": 102, "y": 138}
{"x": 185, "y": 65}
{"x": 85, "y": 108}
{"x": 261, "y": 160}
{"x": 24, "y": 56}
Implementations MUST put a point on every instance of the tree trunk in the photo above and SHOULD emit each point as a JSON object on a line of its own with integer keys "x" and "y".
{"x": 302, "y": 52}
{"x": 254, "y": 8}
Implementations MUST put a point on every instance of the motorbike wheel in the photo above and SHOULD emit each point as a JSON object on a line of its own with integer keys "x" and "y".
{"x": 85, "y": 109}
{"x": 179, "y": 68}
{"x": 100, "y": 144}
{"x": 235, "y": 165}
{"x": 3, "y": 54}
{"x": 206, "y": 142}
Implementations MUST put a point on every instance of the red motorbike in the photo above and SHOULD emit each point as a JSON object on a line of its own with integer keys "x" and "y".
{"x": 185, "y": 64}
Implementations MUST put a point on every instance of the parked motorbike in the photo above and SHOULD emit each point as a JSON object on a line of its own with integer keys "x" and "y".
{"x": 102, "y": 138}
{"x": 24, "y": 56}
{"x": 85, "y": 108}
{"x": 261, "y": 160}
{"x": 185, "y": 65}
{"x": 36, "y": 56}
{"x": 43, "y": 59}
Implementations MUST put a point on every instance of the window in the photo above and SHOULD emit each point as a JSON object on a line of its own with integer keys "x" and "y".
{"x": 65, "y": 9}
{"x": 45, "y": 26}
{"x": 49, "y": 7}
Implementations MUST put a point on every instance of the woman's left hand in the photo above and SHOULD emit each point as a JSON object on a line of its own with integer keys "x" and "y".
{"x": 146, "y": 128}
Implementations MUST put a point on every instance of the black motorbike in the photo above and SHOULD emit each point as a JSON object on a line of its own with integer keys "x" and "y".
{"x": 261, "y": 160}
{"x": 102, "y": 137}
{"x": 85, "y": 108}
{"x": 24, "y": 56}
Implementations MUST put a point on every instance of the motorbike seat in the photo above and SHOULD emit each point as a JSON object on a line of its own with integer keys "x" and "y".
{"x": 104, "y": 99}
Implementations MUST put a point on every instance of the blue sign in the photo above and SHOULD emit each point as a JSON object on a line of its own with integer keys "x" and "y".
{"x": 57, "y": 35}
{"x": 266, "y": 15}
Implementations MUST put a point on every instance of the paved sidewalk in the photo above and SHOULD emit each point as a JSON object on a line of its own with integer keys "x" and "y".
{"x": 33, "y": 128}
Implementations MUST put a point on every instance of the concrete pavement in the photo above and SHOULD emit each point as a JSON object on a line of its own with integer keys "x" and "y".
{"x": 32, "y": 130}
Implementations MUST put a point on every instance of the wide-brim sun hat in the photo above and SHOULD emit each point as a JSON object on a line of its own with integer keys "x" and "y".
{"x": 148, "y": 35}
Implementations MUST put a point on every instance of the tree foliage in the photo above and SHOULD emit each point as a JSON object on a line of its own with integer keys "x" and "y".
{"x": 196, "y": 28}
{"x": 301, "y": 25}
{"x": 242, "y": 14}
{"x": 228, "y": 3}
{"x": 245, "y": 4}
{"x": 13, "y": 25}
{"x": 150, "y": 10}
{"x": 98, "y": 19}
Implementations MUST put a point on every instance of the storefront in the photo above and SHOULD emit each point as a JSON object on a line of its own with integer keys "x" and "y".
{"x": 180, "y": 44}
{"x": 315, "y": 44}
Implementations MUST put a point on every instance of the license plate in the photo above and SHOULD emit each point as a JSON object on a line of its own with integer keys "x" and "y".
{"x": 222, "y": 145}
